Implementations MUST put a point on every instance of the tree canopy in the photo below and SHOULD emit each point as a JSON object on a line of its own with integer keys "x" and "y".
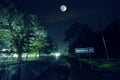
{"x": 78, "y": 35}
{"x": 22, "y": 31}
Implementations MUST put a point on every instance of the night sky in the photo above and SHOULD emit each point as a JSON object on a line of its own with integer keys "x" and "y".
{"x": 83, "y": 11}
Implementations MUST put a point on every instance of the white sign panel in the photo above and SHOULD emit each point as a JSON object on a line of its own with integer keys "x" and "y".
{"x": 84, "y": 50}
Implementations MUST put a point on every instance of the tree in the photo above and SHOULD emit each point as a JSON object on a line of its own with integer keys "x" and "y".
{"x": 112, "y": 37}
{"x": 22, "y": 31}
{"x": 78, "y": 35}
{"x": 51, "y": 47}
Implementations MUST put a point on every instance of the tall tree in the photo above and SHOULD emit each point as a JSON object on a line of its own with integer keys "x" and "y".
{"x": 112, "y": 37}
{"x": 51, "y": 47}
{"x": 78, "y": 35}
{"x": 22, "y": 31}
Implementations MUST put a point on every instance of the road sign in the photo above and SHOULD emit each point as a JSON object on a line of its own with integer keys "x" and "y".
{"x": 84, "y": 50}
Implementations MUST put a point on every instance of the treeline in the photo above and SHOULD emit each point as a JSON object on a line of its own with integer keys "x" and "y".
{"x": 105, "y": 41}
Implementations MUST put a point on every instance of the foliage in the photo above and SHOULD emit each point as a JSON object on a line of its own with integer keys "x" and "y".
{"x": 78, "y": 35}
{"x": 112, "y": 38}
{"x": 51, "y": 47}
{"x": 22, "y": 31}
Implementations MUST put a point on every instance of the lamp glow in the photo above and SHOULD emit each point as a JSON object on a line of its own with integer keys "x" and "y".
{"x": 57, "y": 54}
{"x": 4, "y": 50}
{"x": 15, "y": 55}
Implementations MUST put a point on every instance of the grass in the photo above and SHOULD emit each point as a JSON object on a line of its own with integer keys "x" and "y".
{"x": 111, "y": 65}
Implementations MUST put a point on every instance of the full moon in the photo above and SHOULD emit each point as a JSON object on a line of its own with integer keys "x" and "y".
{"x": 63, "y": 8}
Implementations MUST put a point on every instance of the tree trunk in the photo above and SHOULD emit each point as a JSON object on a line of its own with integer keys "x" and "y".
{"x": 19, "y": 65}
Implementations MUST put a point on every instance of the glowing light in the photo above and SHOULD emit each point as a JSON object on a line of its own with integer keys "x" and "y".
{"x": 24, "y": 55}
{"x": 37, "y": 55}
{"x": 15, "y": 55}
{"x": 56, "y": 54}
{"x": 4, "y": 50}
{"x": 63, "y": 8}
{"x": 32, "y": 55}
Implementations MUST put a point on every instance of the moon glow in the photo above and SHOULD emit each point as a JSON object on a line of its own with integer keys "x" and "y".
{"x": 63, "y": 8}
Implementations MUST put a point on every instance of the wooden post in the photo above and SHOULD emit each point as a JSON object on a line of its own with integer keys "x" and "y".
{"x": 90, "y": 58}
{"x": 80, "y": 62}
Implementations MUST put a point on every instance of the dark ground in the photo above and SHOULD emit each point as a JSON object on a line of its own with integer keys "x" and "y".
{"x": 52, "y": 69}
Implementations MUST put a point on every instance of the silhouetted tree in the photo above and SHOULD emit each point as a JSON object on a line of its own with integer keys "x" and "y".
{"x": 78, "y": 35}
{"x": 112, "y": 37}
{"x": 51, "y": 47}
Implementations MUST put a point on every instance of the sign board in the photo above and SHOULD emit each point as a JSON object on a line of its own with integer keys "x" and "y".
{"x": 84, "y": 50}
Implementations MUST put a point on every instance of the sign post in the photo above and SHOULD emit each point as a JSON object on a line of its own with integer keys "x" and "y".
{"x": 88, "y": 50}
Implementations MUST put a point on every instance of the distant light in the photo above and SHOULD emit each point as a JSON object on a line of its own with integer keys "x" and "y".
{"x": 4, "y": 50}
{"x": 24, "y": 55}
{"x": 15, "y": 55}
{"x": 57, "y": 54}
{"x": 63, "y": 8}
{"x": 37, "y": 55}
{"x": 32, "y": 55}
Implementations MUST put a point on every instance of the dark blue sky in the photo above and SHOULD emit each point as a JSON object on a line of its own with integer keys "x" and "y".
{"x": 83, "y": 11}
